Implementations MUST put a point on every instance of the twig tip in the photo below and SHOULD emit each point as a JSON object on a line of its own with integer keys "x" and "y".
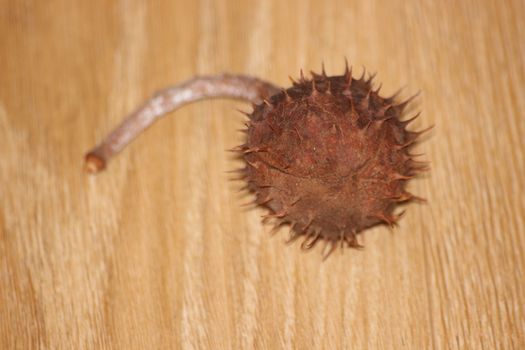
{"x": 93, "y": 163}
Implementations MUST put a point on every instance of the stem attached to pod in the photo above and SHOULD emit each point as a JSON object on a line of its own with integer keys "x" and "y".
{"x": 229, "y": 86}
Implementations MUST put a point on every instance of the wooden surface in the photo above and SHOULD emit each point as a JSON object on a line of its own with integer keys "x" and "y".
{"x": 157, "y": 253}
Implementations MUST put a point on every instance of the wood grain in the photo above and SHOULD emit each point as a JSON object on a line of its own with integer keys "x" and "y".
{"x": 157, "y": 253}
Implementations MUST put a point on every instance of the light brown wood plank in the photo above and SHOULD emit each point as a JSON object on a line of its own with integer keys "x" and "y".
{"x": 157, "y": 253}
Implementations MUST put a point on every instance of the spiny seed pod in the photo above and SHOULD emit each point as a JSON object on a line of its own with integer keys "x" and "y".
{"x": 328, "y": 156}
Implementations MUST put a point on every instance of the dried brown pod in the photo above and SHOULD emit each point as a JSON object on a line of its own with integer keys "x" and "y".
{"x": 327, "y": 156}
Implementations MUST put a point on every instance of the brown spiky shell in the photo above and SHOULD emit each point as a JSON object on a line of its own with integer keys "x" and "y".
{"x": 329, "y": 156}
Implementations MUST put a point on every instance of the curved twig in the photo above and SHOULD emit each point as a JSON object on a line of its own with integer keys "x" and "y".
{"x": 229, "y": 86}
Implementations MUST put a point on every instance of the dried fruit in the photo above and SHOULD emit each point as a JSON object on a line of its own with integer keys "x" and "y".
{"x": 328, "y": 156}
